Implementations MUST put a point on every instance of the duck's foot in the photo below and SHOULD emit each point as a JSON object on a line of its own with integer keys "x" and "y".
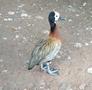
{"x": 52, "y": 71}
{"x": 44, "y": 67}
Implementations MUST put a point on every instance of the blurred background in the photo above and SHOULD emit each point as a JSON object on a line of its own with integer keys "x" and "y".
{"x": 24, "y": 22}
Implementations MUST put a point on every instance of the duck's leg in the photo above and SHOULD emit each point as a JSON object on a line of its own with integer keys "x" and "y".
{"x": 44, "y": 66}
{"x": 49, "y": 70}
{"x": 52, "y": 71}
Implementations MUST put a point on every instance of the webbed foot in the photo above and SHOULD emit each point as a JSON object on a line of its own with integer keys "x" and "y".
{"x": 52, "y": 71}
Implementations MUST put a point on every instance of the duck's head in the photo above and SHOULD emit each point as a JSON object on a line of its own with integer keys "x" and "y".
{"x": 53, "y": 17}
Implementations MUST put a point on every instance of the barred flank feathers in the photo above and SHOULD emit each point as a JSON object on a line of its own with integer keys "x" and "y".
{"x": 41, "y": 50}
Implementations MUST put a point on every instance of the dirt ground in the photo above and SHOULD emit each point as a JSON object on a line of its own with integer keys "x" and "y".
{"x": 23, "y": 23}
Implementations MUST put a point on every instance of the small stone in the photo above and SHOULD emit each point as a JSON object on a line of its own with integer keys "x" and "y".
{"x": 89, "y": 70}
{"x": 25, "y": 89}
{"x": 39, "y": 17}
{"x": 82, "y": 86}
{"x": 77, "y": 15}
{"x": 91, "y": 28}
{"x": 72, "y": 26}
{"x": 24, "y": 38}
{"x": 19, "y": 27}
{"x": 21, "y": 5}
{"x": 87, "y": 28}
{"x": 1, "y": 88}
{"x": 17, "y": 36}
{"x": 41, "y": 8}
{"x": 24, "y": 15}
{"x": 5, "y": 71}
{"x": 58, "y": 56}
{"x": 84, "y": 4}
{"x": 33, "y": 4}
{"x": 65, "y": 86}
{"x": 70, "y": 6}
{"x": 91, "y": 42}
{"x": 70, "y": 20}
{"x": 46, "y": 32}
{"x": 78, "y": 34}
{"x": 5, "y": 19}
{"x": 56, "y": 0}
{"x": 78, "y": 45}
{"x": 1, "y": 60}
{"x": 8, "y": 19}
{"x": 0, "y": 14}
{"x": 86, "y": 44}
{"x": 69, "y": 58}
{"x": 28, "y": 24}
{"x": 5, "y": 38}
{"x": 11, "y": 13}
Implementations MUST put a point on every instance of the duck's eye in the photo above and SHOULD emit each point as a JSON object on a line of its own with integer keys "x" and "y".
{"x": 56, "y": 16}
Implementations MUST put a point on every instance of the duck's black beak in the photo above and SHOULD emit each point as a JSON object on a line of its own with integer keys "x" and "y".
{"x": 62, "y": 18}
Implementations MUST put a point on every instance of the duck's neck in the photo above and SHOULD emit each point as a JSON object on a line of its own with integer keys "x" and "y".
{"x": 54, "y": 31}
{"x": 52, "y": 27}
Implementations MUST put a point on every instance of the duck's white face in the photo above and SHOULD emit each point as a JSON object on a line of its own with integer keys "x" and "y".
{"x": 57, "y": 16}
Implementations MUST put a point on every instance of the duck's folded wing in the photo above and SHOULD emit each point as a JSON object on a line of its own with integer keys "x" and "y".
{"x": 41, "y": 50}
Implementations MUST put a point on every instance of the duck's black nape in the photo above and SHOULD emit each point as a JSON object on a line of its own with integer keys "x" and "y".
{"x": 51, "y": 19}
{"x": 52, "y": 27}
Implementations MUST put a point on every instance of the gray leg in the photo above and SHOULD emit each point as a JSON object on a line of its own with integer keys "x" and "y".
{"x": 45, "y": 67}
{"x": 52, "y": 71}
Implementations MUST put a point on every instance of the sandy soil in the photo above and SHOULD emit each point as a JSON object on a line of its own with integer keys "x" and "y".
{"x": 23, "y": 23}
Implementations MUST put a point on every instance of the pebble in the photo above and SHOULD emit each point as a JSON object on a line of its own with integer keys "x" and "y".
{"x": 1, "y": 88}
{"x": 4, "y": 38}
{"x": 28, "y": 24}
{"x": 69, "y": 58}
{"x": 89, "y": 70}
{"x": 25, "y": 89}
{"x": 25, "y": 38}
{"x": 1, "y": 60}
{"x": 69, "y": 20}
{"x": 46, "y": 32}
{"x": 82, "y": 86}
{"x": 58, "y": 56}
{"x": 17, "y": 36}
{"x": 87, "y": 28}
{"x": 90, "y": 41}
{"x": 21, "y": 5}
{"x": 19, "y": 27}
{"x": 65, "y": 86}
{"x": 39, "y": 17}
{"x": 77, "y": 15}
{"x": 8, "y": 19}
{"x": 86, "y": 44}
{"x": 33, "y": 4}
{"x": 0, "y": 14}
{"x": 41, "y": 8}
{"x": 70, "y": 6}
{"x": 84, "y": 4}
{"x": 24, "y": 14}
{"x": 56, "y": 0}
{"x": 78, "y": 45}
{"x": 5, "y": 71}
{"x": 78, "y": 34}
{"x": 11, "y": 13}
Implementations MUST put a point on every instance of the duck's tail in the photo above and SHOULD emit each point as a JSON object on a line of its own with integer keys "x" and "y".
{"x": 30, "y": 65}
